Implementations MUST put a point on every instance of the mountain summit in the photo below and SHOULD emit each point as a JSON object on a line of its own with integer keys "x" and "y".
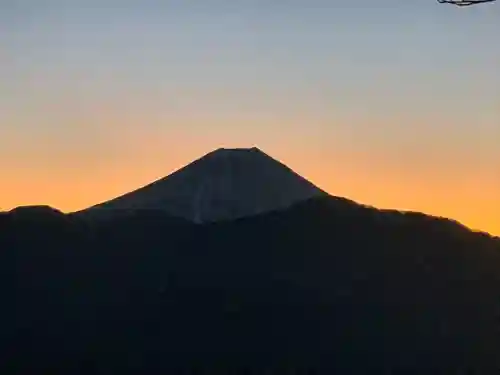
{"x": 224, "y": 184}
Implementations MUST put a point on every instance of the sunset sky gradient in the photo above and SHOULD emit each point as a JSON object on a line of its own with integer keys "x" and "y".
{"x": 392, "y": 103}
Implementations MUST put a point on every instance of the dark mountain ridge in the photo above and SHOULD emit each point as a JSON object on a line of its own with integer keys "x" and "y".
{"x": 340, "y": 208}
{"x": 325, "y": 285}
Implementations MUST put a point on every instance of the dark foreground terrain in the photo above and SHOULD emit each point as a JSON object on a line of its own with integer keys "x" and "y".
{"x": 325, "y": 285}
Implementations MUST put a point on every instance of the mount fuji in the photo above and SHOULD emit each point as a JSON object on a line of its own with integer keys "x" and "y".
{"x": 225, "y": 184}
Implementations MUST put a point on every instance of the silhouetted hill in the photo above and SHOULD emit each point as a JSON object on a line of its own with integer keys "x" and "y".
{"x": 325, "y": 285}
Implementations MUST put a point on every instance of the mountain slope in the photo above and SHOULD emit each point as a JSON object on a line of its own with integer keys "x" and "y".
{"x": 222, "y": 185}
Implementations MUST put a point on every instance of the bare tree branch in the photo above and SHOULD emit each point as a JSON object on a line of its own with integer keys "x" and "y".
{"x": 463, "y": 3}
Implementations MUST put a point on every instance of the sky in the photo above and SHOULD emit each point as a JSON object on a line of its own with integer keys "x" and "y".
{"x": 391, "y": 103}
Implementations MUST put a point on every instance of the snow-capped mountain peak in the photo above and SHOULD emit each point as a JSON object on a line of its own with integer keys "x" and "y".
{"x": 224, "y": 184}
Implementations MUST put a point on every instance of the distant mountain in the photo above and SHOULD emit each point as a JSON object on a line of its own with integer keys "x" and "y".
{"x": 323, "y": 286}
{"x": 223, "y": 185}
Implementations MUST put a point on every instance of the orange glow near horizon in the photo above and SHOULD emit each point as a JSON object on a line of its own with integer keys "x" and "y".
{"x": 366, "y": 180}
